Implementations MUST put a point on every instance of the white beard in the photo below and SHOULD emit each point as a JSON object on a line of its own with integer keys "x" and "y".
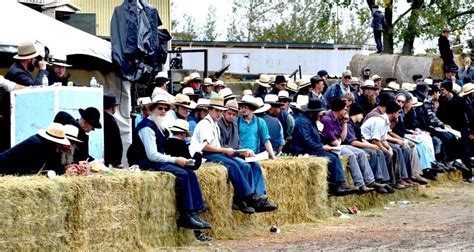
{"x": 158, "y": 120}
{"x": 67, "y": 157}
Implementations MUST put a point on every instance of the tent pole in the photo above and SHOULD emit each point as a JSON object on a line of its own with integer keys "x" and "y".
{"x": 133, "y": 98}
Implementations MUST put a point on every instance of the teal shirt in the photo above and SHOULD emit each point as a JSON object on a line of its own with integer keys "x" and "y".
{"x": 254, "y": 134}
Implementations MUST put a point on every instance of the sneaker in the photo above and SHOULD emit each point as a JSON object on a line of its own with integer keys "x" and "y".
{"x": 200, "y": 236}
{"x": 243, "y": 207}
{"x": 264, "y": 206}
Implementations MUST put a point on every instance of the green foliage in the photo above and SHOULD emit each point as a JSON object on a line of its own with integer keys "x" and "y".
{"x": 188, "y": 30}
{"x": 210, "y": 29}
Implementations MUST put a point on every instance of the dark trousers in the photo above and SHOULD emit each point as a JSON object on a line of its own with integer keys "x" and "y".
{"x": 188, "y": 192}
{"x": 336, "y": 172}
{"x": 378, "y": 40}
{"x": 239, "y": 175}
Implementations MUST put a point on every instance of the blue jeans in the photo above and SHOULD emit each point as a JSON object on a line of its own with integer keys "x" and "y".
{"x": 257, "y": 176}
{"x": 378, "y": 163}
{"x": 378, "y": 40}
{"x": 240, "y": 175}
{"x": 188, "y": 192}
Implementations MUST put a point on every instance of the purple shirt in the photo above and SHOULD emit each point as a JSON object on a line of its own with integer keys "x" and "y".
{"x": 332, "y": 127}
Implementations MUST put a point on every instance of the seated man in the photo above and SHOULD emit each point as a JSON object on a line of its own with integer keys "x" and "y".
{"x": 36, "y": 153}
{"x": 207, "y": 132}
{"x": 275, "y": 129}
{"x": 90, "y": 120}
{"x": 335, "y": 131}
{"x": 182, "y": 109}
{"x": 229, "y": 138}
{"x": 198, "y": 113}
{"x": 147, "y": 151}
{"x": 57, "y": 72}
{"x": 25, "y": 63}
{"x": 306, "y": 140}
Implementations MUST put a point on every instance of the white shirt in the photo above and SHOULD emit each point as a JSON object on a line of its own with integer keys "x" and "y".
{"x": 376, "y": 128}
{"x": 206, "y": 130}
{"x": 160, "y": 91}
{"x": 6, "y": 84}
{"x": 169, "y": 119}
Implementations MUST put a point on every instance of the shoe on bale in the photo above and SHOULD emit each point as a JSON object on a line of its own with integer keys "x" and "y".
{"x": 205, "y": 224}
{"x": 243, "y": 207}
{"x": 186, "y": 221}
{"x": 264, "y": 206}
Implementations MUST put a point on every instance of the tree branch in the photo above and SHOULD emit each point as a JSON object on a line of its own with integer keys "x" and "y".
{"x": 471, "y": 11}
{"x": 401, "y": 16}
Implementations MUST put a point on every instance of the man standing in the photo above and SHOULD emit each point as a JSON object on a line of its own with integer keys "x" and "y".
{"x": 378, "y": 25}
{"x": 112, "y": 140}
{"x": 317, "y": 87}
{"x": 36, "y": 153}
{"x": 336, "y": 90}
{"x": 445, "y": 48}
{"x": 278, "y": 85}
{"x": 90, "y": 120}
{"x": 20, "y": 71}
{"x": 253, "y": 131}
{"x": 161, "y": 86}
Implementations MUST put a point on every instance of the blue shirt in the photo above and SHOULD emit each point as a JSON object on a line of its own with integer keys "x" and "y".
{"x": 306, "y": 137}
{"x": 252, "y": 134}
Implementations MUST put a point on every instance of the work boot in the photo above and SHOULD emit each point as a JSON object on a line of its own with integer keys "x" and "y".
{"x": 264, "y": 206}
{"x": 205, "y": 224}
{"x": 243, "y": 207}
{"x": 364, "y": 189}
{"x": 419, "y": 179}
{"x": 186, "y": 221}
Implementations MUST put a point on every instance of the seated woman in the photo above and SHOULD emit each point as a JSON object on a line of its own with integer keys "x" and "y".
{"x": 147, "y": 151}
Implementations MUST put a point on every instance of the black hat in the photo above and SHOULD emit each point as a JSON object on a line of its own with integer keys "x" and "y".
{"x": 437, "y": 80}
{"x": 315, "y": 79}
{"x": 92, "y": 116}
{"x": 355, "y": 109}
{"x": 416, "y": 77}
{"x": 279, "y": 79}
{"x": 448, "y": 85}
{"x": 384, "y": 99}
{"x": 375, "y": 6}
{"x": 314, "y": 105}
{"x": 434, "y": 88}
{"x": 321, "y": 73}
{"x": 390, "y": 79}
{"x": 452, "y": 68}
{"x": 109, "y": 101}
{"x": 337, "y": 104}
{"x": 422, "y": 87}
{"x": 392, "y": 107}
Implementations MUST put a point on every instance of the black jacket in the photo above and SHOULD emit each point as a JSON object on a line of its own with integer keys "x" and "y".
{"x": 82, "y": 149}
{"x": 445, "y": 48}
{"x": 113, "y": 148}
{"x": 29, "y": 156}
{"x": 178, "y": 148}
{"x": 18, "y": 74}
{"x": 455, "y": 112}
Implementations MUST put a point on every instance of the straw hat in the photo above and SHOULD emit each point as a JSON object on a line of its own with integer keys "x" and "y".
{"x": 262, "y": 107}
{"x": 300, "y": 100}
{"x": 247, "y": 92}
{"x": 185, "y": 80}
{"x": 143, "y": 101}
{"x": 392, "y": 86}
{"x": 369, "y": 84}
{"x": 202, "y": 103}
{"x": 72, "y": 132}
{"x": 182, "y": 100}
{"x": 189, "y": 91}
{"x": 415, "y": 102}
{"x": 376, "y": 77}
{"x": 232, "y": 105}
{"x": 26, "y": 50}
{"x": 207, "y": 82}
{"x": 250, "y": 101}
{"x": 195, "y": 76}
{"x": 180, "y": 126}
{"x": 272, "y": 99}
{"x": 219, "y": 83}
{"x": 456, "y": 88}
{"x": 217, "y": 102}
{"x": 292, "y": 86}
{"x": 467, "y": 89}
{"x": 160, "y": 99}
{"x": 408, "y": 86}
{"x": 264, "y": 80}
{"x": 55, "y": 133}
{"x": 59, "y": 59}
{"x": 303, "y": 83}
{"x": 226, "y": 93}
{"x": 428, "y": 81}
{"x": 284, "y": 96}
{"x": 355, "y": 81}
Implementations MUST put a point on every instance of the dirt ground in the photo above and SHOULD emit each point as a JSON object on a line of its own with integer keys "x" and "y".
{"x": 443, "y": 221}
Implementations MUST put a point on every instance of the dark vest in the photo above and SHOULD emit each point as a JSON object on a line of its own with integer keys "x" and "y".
{"x": 274, "y": 128}
{"x": 282, "y": 117}
{"x": 136, "y": 151}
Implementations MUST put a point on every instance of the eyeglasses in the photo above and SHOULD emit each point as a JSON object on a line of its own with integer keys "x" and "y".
{"x": 162, "y": 108}
{"x": 400, "y": 101}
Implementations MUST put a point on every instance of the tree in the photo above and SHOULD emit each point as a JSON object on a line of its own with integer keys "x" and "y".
{"x": 188, "y": 30}
{"x": 233, "y": 32}
{"x": 210, "y": 27}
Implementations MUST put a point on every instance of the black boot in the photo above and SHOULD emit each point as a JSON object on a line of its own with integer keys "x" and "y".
{"x": 186, "y": 221}
{"x": 205, "y": 224}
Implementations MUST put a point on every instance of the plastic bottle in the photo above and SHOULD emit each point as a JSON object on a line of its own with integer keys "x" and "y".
{"x": 93, "y": 82}
{"x": 45, "y": 81}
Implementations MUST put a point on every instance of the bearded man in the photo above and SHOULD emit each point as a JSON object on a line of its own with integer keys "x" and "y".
{"x": 368, "y": 99}
{"x": 26, "y": 60}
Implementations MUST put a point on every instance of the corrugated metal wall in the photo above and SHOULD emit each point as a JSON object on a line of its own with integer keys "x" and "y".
{"x": 105, "y": 8}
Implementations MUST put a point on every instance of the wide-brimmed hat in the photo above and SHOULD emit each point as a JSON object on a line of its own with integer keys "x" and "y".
{"x": 262, "y": 107}
{"x": 249, "y": 101}
{"x": 292, "y": 86}
{"x": 264, "y": 80}
{"x": 194, "y": 77}
{"x": 202, "y": 103}
{"x": 453, "y": 68}
{"x": 467, "y": 89}
{"x": 369, "y": 84}
{"x": 303, "y": 83}
{"x": 162, "y": 77}
{"x": 415, "y": 102}
{"x": 207, "y": 82}
{"x": 219, "y": 83}
{"x": 185, "y": 80}
{"x": 92, "y": 116}
{"x": 428, "y": 81}
{"x": 26, "y": 50}
{"x": 226, "y": 93}
{"x": 284, "y": 96}
{"x": 54, "y": 133}
{"x": 300, "y": 101}
{"x": 408, "y": 86}
{"x": 355, "y": 81}
{"x": 247, "y": 92}
{"x": 376, "y": 77}
{"x": 314, "y": 105}
{"x": 143, "y": 101}
{"x": 279, "y": 79}
{"x": 272, "y": 99}
{"x": 392, "y": 86}
{"x": 180, "y": 126}
{"x": 232, "y": 105}
{"x": 189, "y": 91}
{"x": 59, "y": 59}
{"x": 422, "y": 87}
{"x": 217, "y": 102}
{"x": 183, "y": 100}
{"x": 109, "y": 101}
{"x": 72, "y": 132}
{"x": 456, "y": 88}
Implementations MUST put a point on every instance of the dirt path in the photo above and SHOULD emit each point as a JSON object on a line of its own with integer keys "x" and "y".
{"x": 444, "y": 221}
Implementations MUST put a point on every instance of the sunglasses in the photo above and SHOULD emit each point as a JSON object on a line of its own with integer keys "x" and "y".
{"x": 163, "y": 108}
{"x": 347, "y": 77}
{"x": 400, "y": 101}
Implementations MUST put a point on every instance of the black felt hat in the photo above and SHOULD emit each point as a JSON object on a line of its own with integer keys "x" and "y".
{"x": 92, "y": 116}
{"x": 109, "y": 101}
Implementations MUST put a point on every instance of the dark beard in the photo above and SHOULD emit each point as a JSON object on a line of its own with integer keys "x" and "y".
{"x": 371, "y": 99}
{"x": 30, "y": 67}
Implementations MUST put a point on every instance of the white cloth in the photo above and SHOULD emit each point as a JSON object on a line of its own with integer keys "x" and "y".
{"x": 376, "y": 128}
{"x": 206, "y": 130}
{"x": 169, "y": 119}
{"x": 160, "y": 91}
{"x": 6, "y": 84}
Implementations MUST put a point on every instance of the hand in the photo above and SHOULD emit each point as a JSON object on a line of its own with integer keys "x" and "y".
{"x": 447, "y": 126}
{"x": 471, "y": 136}
{"x": 248, "y": 153}
{"x": 390, "y": 152}
{"x": 228, "y": 151}
{"x": 42, "y": 65}
{"x": 326, "y": 147}
{"x": 181, "y": 161}
{"x": 453, "y": 78}
{"x": 273, "y": 157}
{"x": 374, "y": 147}
{"x": 400, "y": 142}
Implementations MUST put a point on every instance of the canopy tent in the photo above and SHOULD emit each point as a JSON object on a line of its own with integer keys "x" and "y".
{"x": 21, "y": 23}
